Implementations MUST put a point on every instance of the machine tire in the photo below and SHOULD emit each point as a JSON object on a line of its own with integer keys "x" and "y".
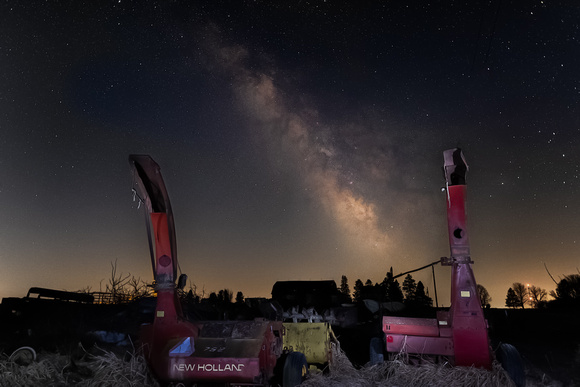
{"x": 376, "y": 353}
{"x": 511, "y": 361}
{"x": 295, "y": 369}
{"x": 23, "y": 356}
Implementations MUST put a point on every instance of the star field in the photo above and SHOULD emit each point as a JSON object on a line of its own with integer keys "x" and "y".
{"x": 297, "y": 140}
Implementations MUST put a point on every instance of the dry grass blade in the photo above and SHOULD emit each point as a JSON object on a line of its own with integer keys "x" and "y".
{"x": 398, "y": 373}
{"x": 102, "y": 369}
{"x": 46, "y": 371}
{"x": 110, "y": 370}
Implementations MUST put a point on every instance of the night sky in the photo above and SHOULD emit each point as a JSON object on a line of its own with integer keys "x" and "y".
{"x": 299, "y": 140}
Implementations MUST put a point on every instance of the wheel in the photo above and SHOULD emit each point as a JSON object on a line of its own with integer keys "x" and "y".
{"x": 376, "y": 351}
{"x": 511, "y": 361}
{"x": 23, "y": 356}
{"x": 295, "y": 369}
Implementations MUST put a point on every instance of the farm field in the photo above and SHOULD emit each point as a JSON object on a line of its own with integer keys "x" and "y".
{"x": 100, "y": 367}
{"x": 86, "y": 350}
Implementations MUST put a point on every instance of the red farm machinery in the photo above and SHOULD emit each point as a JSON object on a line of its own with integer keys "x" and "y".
{"x": 267, "y": 352}
{"x": 183, "y": 352}
{"x": 459, "y": 334}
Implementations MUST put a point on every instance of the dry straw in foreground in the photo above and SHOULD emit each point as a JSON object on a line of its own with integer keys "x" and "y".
{"x": 100, "y": 368}
{"x": 398, "y": 373}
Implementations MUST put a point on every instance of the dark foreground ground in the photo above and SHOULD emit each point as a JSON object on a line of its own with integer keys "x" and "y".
{"x": 548, "y": 340}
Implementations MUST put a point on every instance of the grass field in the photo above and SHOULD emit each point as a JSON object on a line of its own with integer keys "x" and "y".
{"x": 126, "y": 367}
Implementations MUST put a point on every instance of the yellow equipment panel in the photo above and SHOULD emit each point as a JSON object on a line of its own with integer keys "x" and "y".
{"x": 312, "y": 339}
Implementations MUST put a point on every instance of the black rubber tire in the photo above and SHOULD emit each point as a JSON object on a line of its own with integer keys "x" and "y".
{"x": 511, "y": 361}
{"x": 295, "y": 369}
{"x": 376, "y": 353}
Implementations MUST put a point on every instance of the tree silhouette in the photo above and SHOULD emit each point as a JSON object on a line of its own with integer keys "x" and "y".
{"x": 391, "y": 288}
{"x": 521, "y": 293}
{"x": 345, "y": 289}
{"x": 537, "y": 296}
{"x": 420, "y": 297}
{"x": 409, "y": 288}
{"x": 394, "y": 292}
{"x": 511, "y": 300}
{"x": 568, "y": 289}
{"x": 213, "y": 297}
{"x": 225, "y": 296}
{"x": 358, "y": 290}
{"x": 239, "y": 298}
{"x": 484, "y": 296}
{"x": 370, "y": 291}
{"x": 123, "y": 288}
{"x": 388, "y": 278}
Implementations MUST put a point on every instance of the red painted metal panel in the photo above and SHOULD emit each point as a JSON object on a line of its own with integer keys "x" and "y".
{"x": 420, "y": 345}
{"x": 456, "y": 214}
{"x": 462, "y": 331}
{"x": 176, "y": 350}
{"x": 471, "y": 348}
{"x": 410, "y": 326}
{"x": 163, "y": 256}
{"x": 231, "y": 370}
{"x": 466, "y": 317}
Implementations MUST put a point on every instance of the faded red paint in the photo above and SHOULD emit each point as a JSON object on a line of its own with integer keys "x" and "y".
{"x": 460, "y": 332}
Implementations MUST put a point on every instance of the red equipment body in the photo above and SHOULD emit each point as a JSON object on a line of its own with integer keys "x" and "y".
{"x": 175, "y": 348}
{"x": 461, "y": 332}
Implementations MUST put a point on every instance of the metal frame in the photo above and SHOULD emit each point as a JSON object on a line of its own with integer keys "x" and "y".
{"x": 461, "y": 332}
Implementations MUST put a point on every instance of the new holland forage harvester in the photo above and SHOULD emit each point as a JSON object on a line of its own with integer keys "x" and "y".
{"x": 460, "y": 333}
{"x": 227, "y": 352}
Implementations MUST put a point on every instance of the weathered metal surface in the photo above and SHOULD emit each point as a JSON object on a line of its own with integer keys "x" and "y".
{"x": 462, "y": 331}
{"x": 151, "y": 192}
{"x": 467, "y": 320}
{"x": 177, "y": 349}
{"x": 312, "y": 339}
{"x": 410, "y": 326}
{"x": 231, "y": 370}
{"x": 420, "y": 345}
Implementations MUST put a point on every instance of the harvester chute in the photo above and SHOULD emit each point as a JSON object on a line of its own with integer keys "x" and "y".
{"x": 459, "y": 333}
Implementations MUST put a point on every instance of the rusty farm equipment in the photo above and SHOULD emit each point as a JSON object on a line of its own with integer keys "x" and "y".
{"x": 179, "y": 351}
{"x": 459, "y": 334}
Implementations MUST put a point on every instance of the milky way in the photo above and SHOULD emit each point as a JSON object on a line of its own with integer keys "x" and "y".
{"x": 299, "y": 141}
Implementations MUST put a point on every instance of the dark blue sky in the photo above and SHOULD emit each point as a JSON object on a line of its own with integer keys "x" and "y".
{"x": 298, "y": 140}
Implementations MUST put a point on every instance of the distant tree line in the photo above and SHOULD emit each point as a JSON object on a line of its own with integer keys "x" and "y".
{"x": 567, "y": 294}
{"x": 411, "y": 293}
{"x": 520, "y": 295}
{"x": 224, "y": 296}
{"x": 124, "y": 287}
